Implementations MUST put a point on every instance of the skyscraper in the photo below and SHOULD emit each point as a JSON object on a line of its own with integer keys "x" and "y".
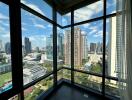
{"x": 27, "y": 45}
{"x": 49, "y": 47}
{"x": 79, "y": 46}
{"x": 1, "y": 46}
{"x": 67, "y": 47}
{"x": 84, "y": 46}
{"x": 8, "y": 48}
{"x": 60, "y": 46}
{"x": 99, "y": 48}
{"x": 112, "y": 55}
{"x": 92, "y": 47}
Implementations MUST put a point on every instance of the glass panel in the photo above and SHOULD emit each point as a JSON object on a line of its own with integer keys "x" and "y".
{"x": 5, "y": 49}
{"x": 34, "y": 91}
{"x": 60, "y": 74}
{"x": 60, "y": 47}
{"x": 88, "y": 12}
{"x": 37, "y": 47}
{"x": 67, "y": 74}
{"x": 66, "y": 19}
{"x": 111, "y": 44}
{"x": 59, "y": 19}
{"x": 67, "y": 47}
{"x": 40, "y": 6}
{"x": 112, "y": 87}
{"x": 91, "y": 81}
{"x": 88, "y": 47}
{"x": 111, "y": 6}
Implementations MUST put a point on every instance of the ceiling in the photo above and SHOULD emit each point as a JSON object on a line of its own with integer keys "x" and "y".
{"x": 65, "y": 6}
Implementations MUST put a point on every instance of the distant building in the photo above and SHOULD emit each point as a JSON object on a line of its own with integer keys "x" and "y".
{"x": 99, "y": 48}
{"x": 84, "y": 46}
{"x": 1, "y": 46}
{"x": 8, "y": 48}
{"x": 37, "y": 49}
{"x": 27, "y": 45}
{"x": 32, "y": 73}
{"x": 80, "y": 47}
{"x": 67, "y": 47}
{"x": 49, "y": 47}
{"x": 60, "y": 46}
{"x": 5, "y": 68}
{"x": 92, "y": 47}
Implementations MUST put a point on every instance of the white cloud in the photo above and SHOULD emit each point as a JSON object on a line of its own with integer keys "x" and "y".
{"x": 98, "y": 34}
{"x": 86, "y": 25}
{"x": 2, "y": 16}
{"x": 39, "y": 26}
{"x": 24, "y": 29}
{"x": 35, "y": 7}
{"x": 83, "y": 33}
{"x": 49, "y": 25}
{"x": 88, "y": 11}
{"x": 5, "y": 35}
{"x": 92, "y": 32}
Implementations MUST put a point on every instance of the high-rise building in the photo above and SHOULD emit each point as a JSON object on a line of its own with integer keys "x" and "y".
{"x": 92, "y": 47}
{"x": 80, "y": 46}
{"x": 8, "y": 48}
{"x": 60, "y": 46}
{"x": 77, "y": 47}
{"x": 99, "y": 48}
{"x": 84, "y": 46}
{"x": 1, "y": 46}
{"x": 27, "y": 45}
{"x": 67, "y": 47}
{"x": 49, "y": 47}
{"x": 112, "y": 55}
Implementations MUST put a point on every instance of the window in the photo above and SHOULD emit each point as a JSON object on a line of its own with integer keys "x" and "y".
{"x": 112, "y": 87}
{"x": 66, "y": 19}
{"x": 88, "y": 47}
{"x": 86, "y": 80}
{"x": 111, "y": 6}
{"x": 67, "y": 74}
{"x": 88, "y": 12}
{"x": 37, "y": 47}
{"x": 67, "y": 47}
{"x": 5, "y": 50}
{"x": 60, "y": 48}
{"x": 34, "y": 91}
{"x": 40, "y": 6}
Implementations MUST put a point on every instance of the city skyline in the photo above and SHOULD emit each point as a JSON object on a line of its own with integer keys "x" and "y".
{"x": 37, "y": 29}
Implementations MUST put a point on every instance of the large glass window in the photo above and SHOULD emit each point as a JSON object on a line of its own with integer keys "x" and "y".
{"x": 112, "y": 67}
{"x": 34, "y": 91}
{"x": 91, "y": 81}
{"x": 67, "y": 48}
{"x": 40, "y": 6}
{"x": 88, "y": 12}
{"x": 88, "y": 47}
{"x": 37, "y": 40}
{"x": 5, "y": 50}
{"x": 60, "y": 48}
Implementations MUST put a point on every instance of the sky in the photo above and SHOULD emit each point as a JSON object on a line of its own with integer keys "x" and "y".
{"x": 37, "y": 29}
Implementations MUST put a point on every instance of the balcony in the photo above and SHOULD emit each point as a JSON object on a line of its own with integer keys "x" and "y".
{"x": 59, "y": 50}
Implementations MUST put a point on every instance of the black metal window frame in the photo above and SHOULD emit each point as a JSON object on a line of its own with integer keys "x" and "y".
{"x": 15, "y": 7}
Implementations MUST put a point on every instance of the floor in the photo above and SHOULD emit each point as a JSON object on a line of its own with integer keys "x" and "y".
{"x": 66, "y": 92}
